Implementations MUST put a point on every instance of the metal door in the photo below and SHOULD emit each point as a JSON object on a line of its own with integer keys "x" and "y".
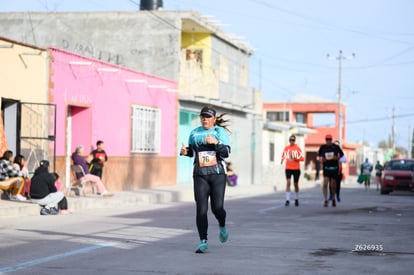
{"x": 37, "y": 134}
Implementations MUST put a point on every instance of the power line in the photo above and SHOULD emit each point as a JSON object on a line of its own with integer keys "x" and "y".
{"x": 379, "y": 118}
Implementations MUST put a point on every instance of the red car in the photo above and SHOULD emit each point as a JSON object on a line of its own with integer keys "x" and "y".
{"x": 398, "y": 174}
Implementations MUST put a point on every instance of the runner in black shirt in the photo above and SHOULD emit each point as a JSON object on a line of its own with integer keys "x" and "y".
{"x": 329, "y": 154}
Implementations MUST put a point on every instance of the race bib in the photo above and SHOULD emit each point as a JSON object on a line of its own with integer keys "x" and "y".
{"x": 207, "y": 158}
{"x": 329, "y": 155}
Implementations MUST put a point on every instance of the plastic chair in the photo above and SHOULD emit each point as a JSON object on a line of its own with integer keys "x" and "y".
{"x": 81, "y": 183}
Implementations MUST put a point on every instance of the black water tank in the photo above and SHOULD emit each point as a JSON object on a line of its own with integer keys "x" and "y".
{"x": 151, "y": 4}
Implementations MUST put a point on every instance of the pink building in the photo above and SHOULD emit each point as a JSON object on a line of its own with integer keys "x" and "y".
{"x": 135, "y": 114}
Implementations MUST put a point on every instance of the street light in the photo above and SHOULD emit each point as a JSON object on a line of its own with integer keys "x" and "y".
{"x": 340, "y": 57}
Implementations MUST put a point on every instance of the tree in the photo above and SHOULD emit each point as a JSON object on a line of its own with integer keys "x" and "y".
{"x": 383, "y": 144}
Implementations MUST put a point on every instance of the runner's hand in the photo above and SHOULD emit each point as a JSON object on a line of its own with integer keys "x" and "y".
{"x": 210, "y": 140}
{"x": 183, "y": 151}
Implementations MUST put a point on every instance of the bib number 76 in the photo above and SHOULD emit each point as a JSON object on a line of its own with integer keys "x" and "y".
{"x": 207, "y": 158}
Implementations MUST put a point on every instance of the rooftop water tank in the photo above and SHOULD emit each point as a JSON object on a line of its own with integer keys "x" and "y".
{"x": 151, "y": 4}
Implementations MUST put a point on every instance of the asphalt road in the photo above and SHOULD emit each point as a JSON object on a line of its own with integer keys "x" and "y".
{"x": 366, "y": 233}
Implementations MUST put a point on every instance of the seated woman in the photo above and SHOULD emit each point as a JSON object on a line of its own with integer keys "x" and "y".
{"x": 20, "y": 164}
{"x": 79, "y": 159}
{"x": 11, "y": 179}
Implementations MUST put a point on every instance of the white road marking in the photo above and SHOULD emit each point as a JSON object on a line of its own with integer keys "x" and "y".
{"x": 53, "y": 257}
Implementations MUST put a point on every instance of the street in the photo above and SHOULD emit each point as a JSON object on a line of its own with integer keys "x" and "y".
{"x": 366, "y": 233}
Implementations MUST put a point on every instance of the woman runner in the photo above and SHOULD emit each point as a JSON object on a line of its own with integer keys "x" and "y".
{"x": 209, "y": 144}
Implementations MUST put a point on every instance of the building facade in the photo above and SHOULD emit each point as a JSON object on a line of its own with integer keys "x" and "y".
{"x": 303, "y": 109}
{"x": 28, "y": 118}
{"x": 209, "y": 65}
{"x": 56, "y": 100}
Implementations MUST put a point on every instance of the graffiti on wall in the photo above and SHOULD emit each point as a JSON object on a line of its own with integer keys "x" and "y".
{"x": 91, "y": 51}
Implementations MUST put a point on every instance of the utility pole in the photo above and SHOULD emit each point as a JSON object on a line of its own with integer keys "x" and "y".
{"x": 340, "y": 57}
{"x": 393, "y": 130}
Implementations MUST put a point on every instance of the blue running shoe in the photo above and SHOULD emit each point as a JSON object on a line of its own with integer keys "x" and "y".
{"x": 224, "y": 234}
{"x": 330, "y": 198}
{"x": 44, "y": 211}
{"x": 202, "y": 247}
{"x": 53, "y": 211}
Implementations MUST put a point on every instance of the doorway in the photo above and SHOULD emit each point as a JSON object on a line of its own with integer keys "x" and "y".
{"x": 30, "y": 130}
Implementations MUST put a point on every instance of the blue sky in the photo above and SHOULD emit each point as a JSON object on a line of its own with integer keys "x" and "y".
{"x": 291, "y": 41}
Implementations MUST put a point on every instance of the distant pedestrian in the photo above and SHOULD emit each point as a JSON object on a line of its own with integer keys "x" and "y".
{"x": 231, "y": 174}
{"x": 209, "y": 144}
{"x": 293, "y": 156}
{"x": 329, "y": 154}
{"x": 378, "y": 174}
{"x": 366, "y": 169}
{"x": 99, "y": 157}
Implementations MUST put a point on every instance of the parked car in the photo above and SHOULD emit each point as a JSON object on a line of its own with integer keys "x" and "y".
{"x": 398, "y": 175}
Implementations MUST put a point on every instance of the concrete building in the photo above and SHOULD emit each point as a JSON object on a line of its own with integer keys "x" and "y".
{"x": 54, "y": 101}
{"x": 133, "y": 113}
{"x": 28, "y": 118}
{"x": 210, "y": 66}
{"x": 302, "y": 109}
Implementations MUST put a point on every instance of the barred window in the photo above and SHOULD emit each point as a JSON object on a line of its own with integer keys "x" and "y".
{"x": 300, "y": 117}
{"x": 278, "y": 116}
{"x": 146, "y": 129}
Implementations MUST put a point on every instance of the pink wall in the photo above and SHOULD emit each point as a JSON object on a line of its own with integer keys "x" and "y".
{"x": 106, "y": 99}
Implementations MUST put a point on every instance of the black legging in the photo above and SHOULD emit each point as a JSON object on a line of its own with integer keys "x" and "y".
{"x": 63, "y": 204}
{"x": 338, "y": 181}
{"x": 212, "y": 186}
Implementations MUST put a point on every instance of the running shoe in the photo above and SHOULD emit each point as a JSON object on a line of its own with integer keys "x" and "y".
{"x": 338, "y": 198}
{"x": 224, "y": 234}
{"x": 333, "y": 203}
{"x": 330, "y": 198}
{"x": 18, "y": 197}
{"x": 53, "y": 211}
{"x": 44, "y": 211}
{"x": 325, "y": 204}
{"x": 202, "y": 247}
{"x": 287, "y": 203}
{"x": 296, "y": 202}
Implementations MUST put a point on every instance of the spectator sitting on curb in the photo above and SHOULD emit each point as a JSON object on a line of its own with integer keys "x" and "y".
{"x": 10, "y": 174}
{"x": 43, "y": 192}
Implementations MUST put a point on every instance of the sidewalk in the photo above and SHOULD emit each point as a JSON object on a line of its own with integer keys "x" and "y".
{"x": 179, "y": 193}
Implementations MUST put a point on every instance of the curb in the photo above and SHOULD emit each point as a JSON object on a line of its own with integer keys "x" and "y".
{"x": 181, "y": 193}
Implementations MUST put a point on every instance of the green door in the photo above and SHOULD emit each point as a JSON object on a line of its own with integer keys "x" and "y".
{"x": 188, "y": 121}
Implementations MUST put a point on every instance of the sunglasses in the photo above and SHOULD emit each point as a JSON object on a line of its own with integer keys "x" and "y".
{"x": 292, "y": 140}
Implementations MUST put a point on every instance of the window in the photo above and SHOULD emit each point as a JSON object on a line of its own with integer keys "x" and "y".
{"x": 352, "y": 161}
{"x": 278, "y": 116}
{"x": 244, "y": 80}
{"x": 194, "y": 55}
{"x": 300, "y": 117}
{"x": 271, "y": 152}
{"x": 146, "y": 129}
{"x": 224, "y": 69}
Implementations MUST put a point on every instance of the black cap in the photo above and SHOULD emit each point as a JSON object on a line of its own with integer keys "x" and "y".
{"x": 208, "y": 111}
{"x": 44, "y": 163}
